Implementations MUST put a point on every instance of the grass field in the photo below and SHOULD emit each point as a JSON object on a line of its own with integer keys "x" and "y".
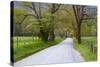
{"x": 25, "y": 46}
{"x": 85, "y": 50}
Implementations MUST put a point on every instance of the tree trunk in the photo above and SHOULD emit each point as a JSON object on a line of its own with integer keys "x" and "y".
{"x": 43, "y": 35}
{"x": 78, "y": 22}
{"x": 52, "y": 35}
{"x": 79, "y": 34}
{"x": 46, "y": 36}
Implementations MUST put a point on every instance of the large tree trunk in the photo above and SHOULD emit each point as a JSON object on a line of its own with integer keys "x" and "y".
{"x": 51, "y": 35}
{"x": 79, "y": 34}
{"x": 46, "y": 36}
{"x": 43, "y": 35}
{"x": 78, "y": 22}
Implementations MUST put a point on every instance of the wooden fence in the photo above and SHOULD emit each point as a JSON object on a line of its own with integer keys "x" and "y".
{"x": 91, "y": 46}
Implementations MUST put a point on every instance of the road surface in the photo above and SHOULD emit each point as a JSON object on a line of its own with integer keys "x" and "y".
{"x": 60, "y": 53}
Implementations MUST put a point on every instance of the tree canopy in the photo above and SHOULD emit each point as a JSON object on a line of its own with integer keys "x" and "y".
{"x": 48, "y": 20}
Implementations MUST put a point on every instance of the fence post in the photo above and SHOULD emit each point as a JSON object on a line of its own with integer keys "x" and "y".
{"x": 91, "y": 47}
{"x": 94, "y": 49}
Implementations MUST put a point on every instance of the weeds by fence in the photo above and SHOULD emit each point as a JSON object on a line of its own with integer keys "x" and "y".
{"x": 91, "y": 45}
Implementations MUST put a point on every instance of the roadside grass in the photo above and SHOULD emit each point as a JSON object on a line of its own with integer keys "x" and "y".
{"x": 27, "y": 46}
{"x": 85, "y": 50}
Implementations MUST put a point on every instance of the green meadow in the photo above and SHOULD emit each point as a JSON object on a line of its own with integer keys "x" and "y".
{"x": 25, "y": 46}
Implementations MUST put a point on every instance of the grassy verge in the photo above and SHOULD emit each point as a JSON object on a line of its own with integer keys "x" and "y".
{"x": 27, "y": 46}
{"x": 84, "y": 50}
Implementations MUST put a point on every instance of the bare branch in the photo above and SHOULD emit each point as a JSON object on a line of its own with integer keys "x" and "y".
{"x": 28, "y": 15}
{"x": 34, "y": 8}
{"x": 31, "y": 15}
{"x": 57, "y": 8}
{"x": 22, "y": 20}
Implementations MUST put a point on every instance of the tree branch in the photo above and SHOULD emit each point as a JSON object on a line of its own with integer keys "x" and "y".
{"x": 34, "y": 8}
{"x": 28, "y": 15}
{"x": 88, "y": 18}
{"x": 23, "y": 20}
{"x": 57, "y": 8}
{"x": 74, "y": 9}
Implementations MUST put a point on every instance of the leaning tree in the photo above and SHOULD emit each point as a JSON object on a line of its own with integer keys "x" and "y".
{"x": 83, "y": 13}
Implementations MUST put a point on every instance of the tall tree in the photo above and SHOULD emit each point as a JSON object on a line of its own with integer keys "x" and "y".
{"x": 37, "y": 10}
{"x": 82, "y": 13}
{"x": 53, "y": 8}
